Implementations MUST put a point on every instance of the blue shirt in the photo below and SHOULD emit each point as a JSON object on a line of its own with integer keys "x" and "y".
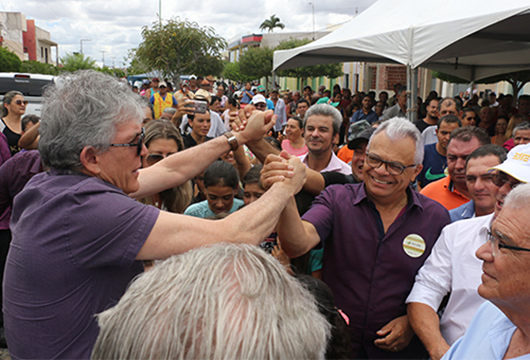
{"x": 246, "y": 99}
{"x": 466, "y": 211}
{"x": 434, "y": 165}
{"x": 487, "y": 337}
{"x": 270, "y": 104}
{"x": 359, "y": 115}
{"x": 202, "y": 209}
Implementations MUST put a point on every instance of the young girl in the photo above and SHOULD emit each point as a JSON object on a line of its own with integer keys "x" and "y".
{"x": 221, "y": 183}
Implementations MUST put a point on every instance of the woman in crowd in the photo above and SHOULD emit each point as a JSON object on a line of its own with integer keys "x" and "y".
{"x": 13, "y": 107}
{"x": 295, "y": 143}
{"x": 500, "y": 131}
{"x": 200, "y": 126}
{"x": 514, "y": 121}
{"x": 162, "y": 139}
{"x": 221, "y": 184}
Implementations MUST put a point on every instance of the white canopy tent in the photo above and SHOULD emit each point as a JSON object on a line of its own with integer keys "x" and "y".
{"x": 469, "y": 39}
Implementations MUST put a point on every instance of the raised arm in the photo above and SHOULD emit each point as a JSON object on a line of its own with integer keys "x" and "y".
{"x": 184, "y": 165}
{"x": 174, "y": 233}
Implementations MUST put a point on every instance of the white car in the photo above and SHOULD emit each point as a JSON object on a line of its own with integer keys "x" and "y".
{"x": 31, "y": 85}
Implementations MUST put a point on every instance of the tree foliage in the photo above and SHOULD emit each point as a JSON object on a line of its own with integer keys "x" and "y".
{"x": 271, "y": 23}
{"x": 136, "y": 66}
{"x": 35, "y": 67}
{"x": 119, "y": 73}
{"x": 232, "y": 72}
{"x": 76, "y": 61}
{"x": 181, "y": 47}
{"x": 9, "y": 61}
{"x": 516, "y": 79}
{"x": 329, "y": 70}
{"x": 256, "y": 62}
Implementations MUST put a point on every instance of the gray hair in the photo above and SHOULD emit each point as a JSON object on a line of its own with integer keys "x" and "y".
{"x": 169, "y": 110}
{"x": 518, "y": 198}
{"x": 217, "y": 302}
{"x": 83, "y": 109}
{"x": 325, "y": 110}
{"x": 525, "y": 125}
{"x": 399, "y": 128}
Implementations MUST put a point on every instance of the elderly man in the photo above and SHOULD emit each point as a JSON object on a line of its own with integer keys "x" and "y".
{"x": 500, "y": 328}
{"x": 453, "y": 268}
{"x": 78, "y": 237}
{"x": 400, "y": 108}
{"x": 521, "y": 134}
{"x": 451, "y": 191}
{"x": 265, "y": 312}
{"x": 376, "y": 235}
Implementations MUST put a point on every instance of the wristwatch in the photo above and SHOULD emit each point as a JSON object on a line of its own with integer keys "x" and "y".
{"x": 232, "y": 140}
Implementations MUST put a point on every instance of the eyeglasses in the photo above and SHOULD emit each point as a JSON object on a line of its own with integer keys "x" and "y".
{"x": 501, "y": 178}
{"x": 260, "y": 106}
{"x": 139, "y": 144}
{"x": 392, "y": 167}
{"x": 496, "y": 244}
{"x": 152, "y": 159}
{"x": 20, "y": 102}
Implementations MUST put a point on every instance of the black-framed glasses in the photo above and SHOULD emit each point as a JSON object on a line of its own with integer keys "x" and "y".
{"x": 139, "y": 144}
{"x": 392, "y": 167}
{"x": 496, "y": 244}
{"x": 500, "y": 178}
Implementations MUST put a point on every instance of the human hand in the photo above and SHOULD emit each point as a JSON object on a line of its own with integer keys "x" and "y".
{"x": 275, "y": 169}
{"x": 397, "y": 335}
{"x": 257, "y": 124}
{"x": 280, "y": 137}
{"x": 439, "y": 352}
{"x": 182, "y": 109}
{"x": 295, "y": 182}
{"x": 281, "y": 256}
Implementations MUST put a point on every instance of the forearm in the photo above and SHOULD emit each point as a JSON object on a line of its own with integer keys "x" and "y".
{"x": 315, "y": 182}
{"x": 180, "y": 167}
{"x": 29, "y": 140}
{"x": 426, "y": 324}
{"x": 298, "y": 237}
{"x": 242, "y": 162}
{"x": 261, "y": 149}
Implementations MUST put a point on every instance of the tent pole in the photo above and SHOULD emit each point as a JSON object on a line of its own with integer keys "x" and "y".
{"x": 412, "y": 87}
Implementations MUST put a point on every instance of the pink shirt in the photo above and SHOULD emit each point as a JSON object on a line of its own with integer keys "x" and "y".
{"x": 286, "y": 145}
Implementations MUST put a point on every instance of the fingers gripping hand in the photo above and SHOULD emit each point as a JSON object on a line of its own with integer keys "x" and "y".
{"x": 275, "y": 169}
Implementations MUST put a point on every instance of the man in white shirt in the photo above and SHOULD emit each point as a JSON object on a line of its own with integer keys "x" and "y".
{"x": 453, "y": 268}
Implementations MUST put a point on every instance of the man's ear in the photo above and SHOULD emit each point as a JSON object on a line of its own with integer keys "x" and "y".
{"x": 336, "y": 139}
{"x": 90, "y": 160}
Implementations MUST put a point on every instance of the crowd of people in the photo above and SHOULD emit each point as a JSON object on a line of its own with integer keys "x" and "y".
{"x": 207, "y": 222}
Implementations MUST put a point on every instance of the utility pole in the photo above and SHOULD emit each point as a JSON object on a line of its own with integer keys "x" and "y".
{"x": 113, "y": 62}
{"x": 81, "y": 43}
{"x": 103, "y": 52}
{"x": 313, "y": 6}
{"x": 160, "y": 13}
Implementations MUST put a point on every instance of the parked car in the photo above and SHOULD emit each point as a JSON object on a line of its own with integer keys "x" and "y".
{"x": 31, "y": 85}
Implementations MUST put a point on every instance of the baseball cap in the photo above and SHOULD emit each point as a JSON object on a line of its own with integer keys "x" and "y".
{"x": 325, "y": 100}
{"x": 517, "y": 164}
{"x": 193, "y": 77}
{"x": 185, "y": 83}
{"x": 162, "y": 83}
{"x": 360, "y": 131}
{"x": 155, "y": 79}
{"x": 259, "y": 99}
{"x": 261, "y": 88}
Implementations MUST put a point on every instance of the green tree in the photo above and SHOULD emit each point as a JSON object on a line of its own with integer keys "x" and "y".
{"x": 271, "y": 23}
{"x": 329, "y": 70}
{"x": 76, "y": 61}
{"x": 35, "y": 67}
{"x": 113, "y": 72}
{"x": 516, "y": 79}
{"x": 181, "y": 47}
{"x": 232, "y": 72}
{"x": 9, "y": 61}
{"x": 256, "y": 63}
{"x": 136, "y": 66}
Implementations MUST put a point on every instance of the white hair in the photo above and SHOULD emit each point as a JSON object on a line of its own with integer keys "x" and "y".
{"x": 222, "y": 301}
{"x": 518, "y": 198}
{"x": 399, "y": 128}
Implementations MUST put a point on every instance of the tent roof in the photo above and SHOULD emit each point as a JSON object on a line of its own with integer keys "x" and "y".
{"x": 487, "y": 38}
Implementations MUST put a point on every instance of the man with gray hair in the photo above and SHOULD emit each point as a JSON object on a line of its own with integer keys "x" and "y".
{"x": 500, "y": 328}
{"x": 376, "y": 235}
{"x": 400, "y": 108}
{"x": 521, "y": 134}
{"x": 242, "y": 305}
{"x": 321, "y": 130}
{"x": 79, "y": 237}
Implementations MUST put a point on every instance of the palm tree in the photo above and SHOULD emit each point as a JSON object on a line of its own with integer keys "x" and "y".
{"x": 270, "y": 24}
{"x": 76, "y": 61}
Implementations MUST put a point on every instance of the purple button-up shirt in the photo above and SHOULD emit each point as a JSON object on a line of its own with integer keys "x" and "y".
{"x": 369, "y": 271}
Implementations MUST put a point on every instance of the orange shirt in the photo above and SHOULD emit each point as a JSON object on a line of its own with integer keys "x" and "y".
{"x": 345, "y": 154}
{"x": 445, "y": 193}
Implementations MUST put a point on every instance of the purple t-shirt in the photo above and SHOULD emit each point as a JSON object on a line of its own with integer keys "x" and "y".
{"x": 75, "y": 240}
{"x": 369, "y": 272}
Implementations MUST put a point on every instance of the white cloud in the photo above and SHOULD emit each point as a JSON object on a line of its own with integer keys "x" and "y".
{"x": 115, "y": 26}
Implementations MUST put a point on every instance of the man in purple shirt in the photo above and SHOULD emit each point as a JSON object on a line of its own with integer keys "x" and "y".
{"x": 78, "y": 235}
{"x": 377, "y": 235}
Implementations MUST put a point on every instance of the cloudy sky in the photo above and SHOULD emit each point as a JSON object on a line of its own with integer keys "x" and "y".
{"x": 115, "y": 25}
